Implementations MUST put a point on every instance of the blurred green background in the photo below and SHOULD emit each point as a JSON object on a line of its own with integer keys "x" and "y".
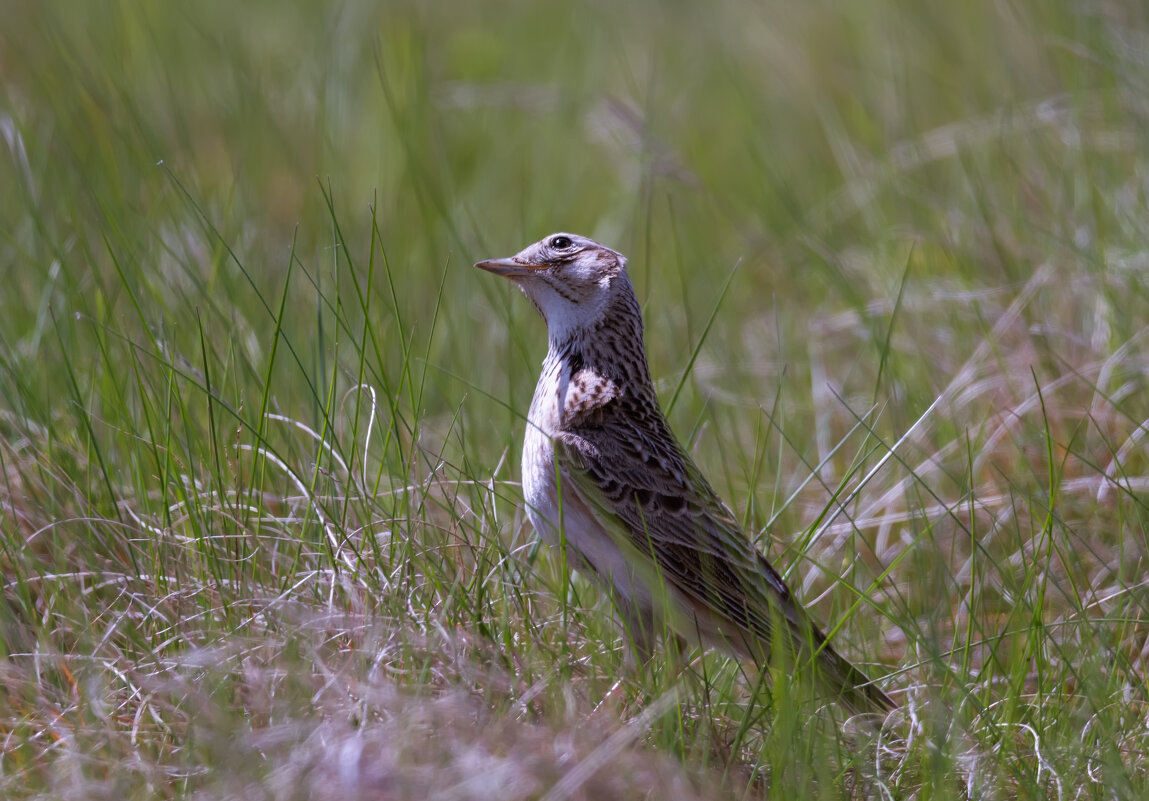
{"x": 841, "y": 156}
{"x": 928, "y": 216}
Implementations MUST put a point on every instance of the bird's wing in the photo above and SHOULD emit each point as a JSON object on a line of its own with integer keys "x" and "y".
{"x": 632, "y": 473}
{"x": 618, "y": 454}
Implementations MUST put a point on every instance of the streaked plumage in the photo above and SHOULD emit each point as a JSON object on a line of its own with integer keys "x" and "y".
{"x": 601, "y": 466}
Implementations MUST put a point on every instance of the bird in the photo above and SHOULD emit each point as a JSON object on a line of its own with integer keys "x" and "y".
{"x": 604, "y": 477}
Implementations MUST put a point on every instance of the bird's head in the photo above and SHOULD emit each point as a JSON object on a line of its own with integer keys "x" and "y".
{"x": 570, "y": 279}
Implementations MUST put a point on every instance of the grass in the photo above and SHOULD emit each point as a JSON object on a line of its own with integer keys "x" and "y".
{"x": 260, "y": 526}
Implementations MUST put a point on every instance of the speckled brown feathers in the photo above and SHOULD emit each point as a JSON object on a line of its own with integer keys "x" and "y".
{"x": 603, "y": 474}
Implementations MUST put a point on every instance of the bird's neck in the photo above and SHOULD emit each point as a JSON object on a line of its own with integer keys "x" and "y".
{"x": 612, "y": 345}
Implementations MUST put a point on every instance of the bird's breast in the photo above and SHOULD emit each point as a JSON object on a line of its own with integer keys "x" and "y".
{"x": 540, "y": 488}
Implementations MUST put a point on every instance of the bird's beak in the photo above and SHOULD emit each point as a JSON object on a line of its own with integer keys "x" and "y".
{"x": 508, "y": 268}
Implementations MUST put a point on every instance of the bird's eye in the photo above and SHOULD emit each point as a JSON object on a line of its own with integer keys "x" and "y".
{"x": 561, "y": 242}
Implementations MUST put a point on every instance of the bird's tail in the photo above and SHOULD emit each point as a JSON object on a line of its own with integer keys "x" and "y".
{"x": 836, "y": 676}
{"x": 849, "y": 685}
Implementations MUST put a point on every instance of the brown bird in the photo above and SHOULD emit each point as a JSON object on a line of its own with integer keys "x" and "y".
{"x": 603, "y": 473}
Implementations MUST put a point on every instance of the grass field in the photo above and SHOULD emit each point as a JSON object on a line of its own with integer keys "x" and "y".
{"x": 260, "y": 526}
